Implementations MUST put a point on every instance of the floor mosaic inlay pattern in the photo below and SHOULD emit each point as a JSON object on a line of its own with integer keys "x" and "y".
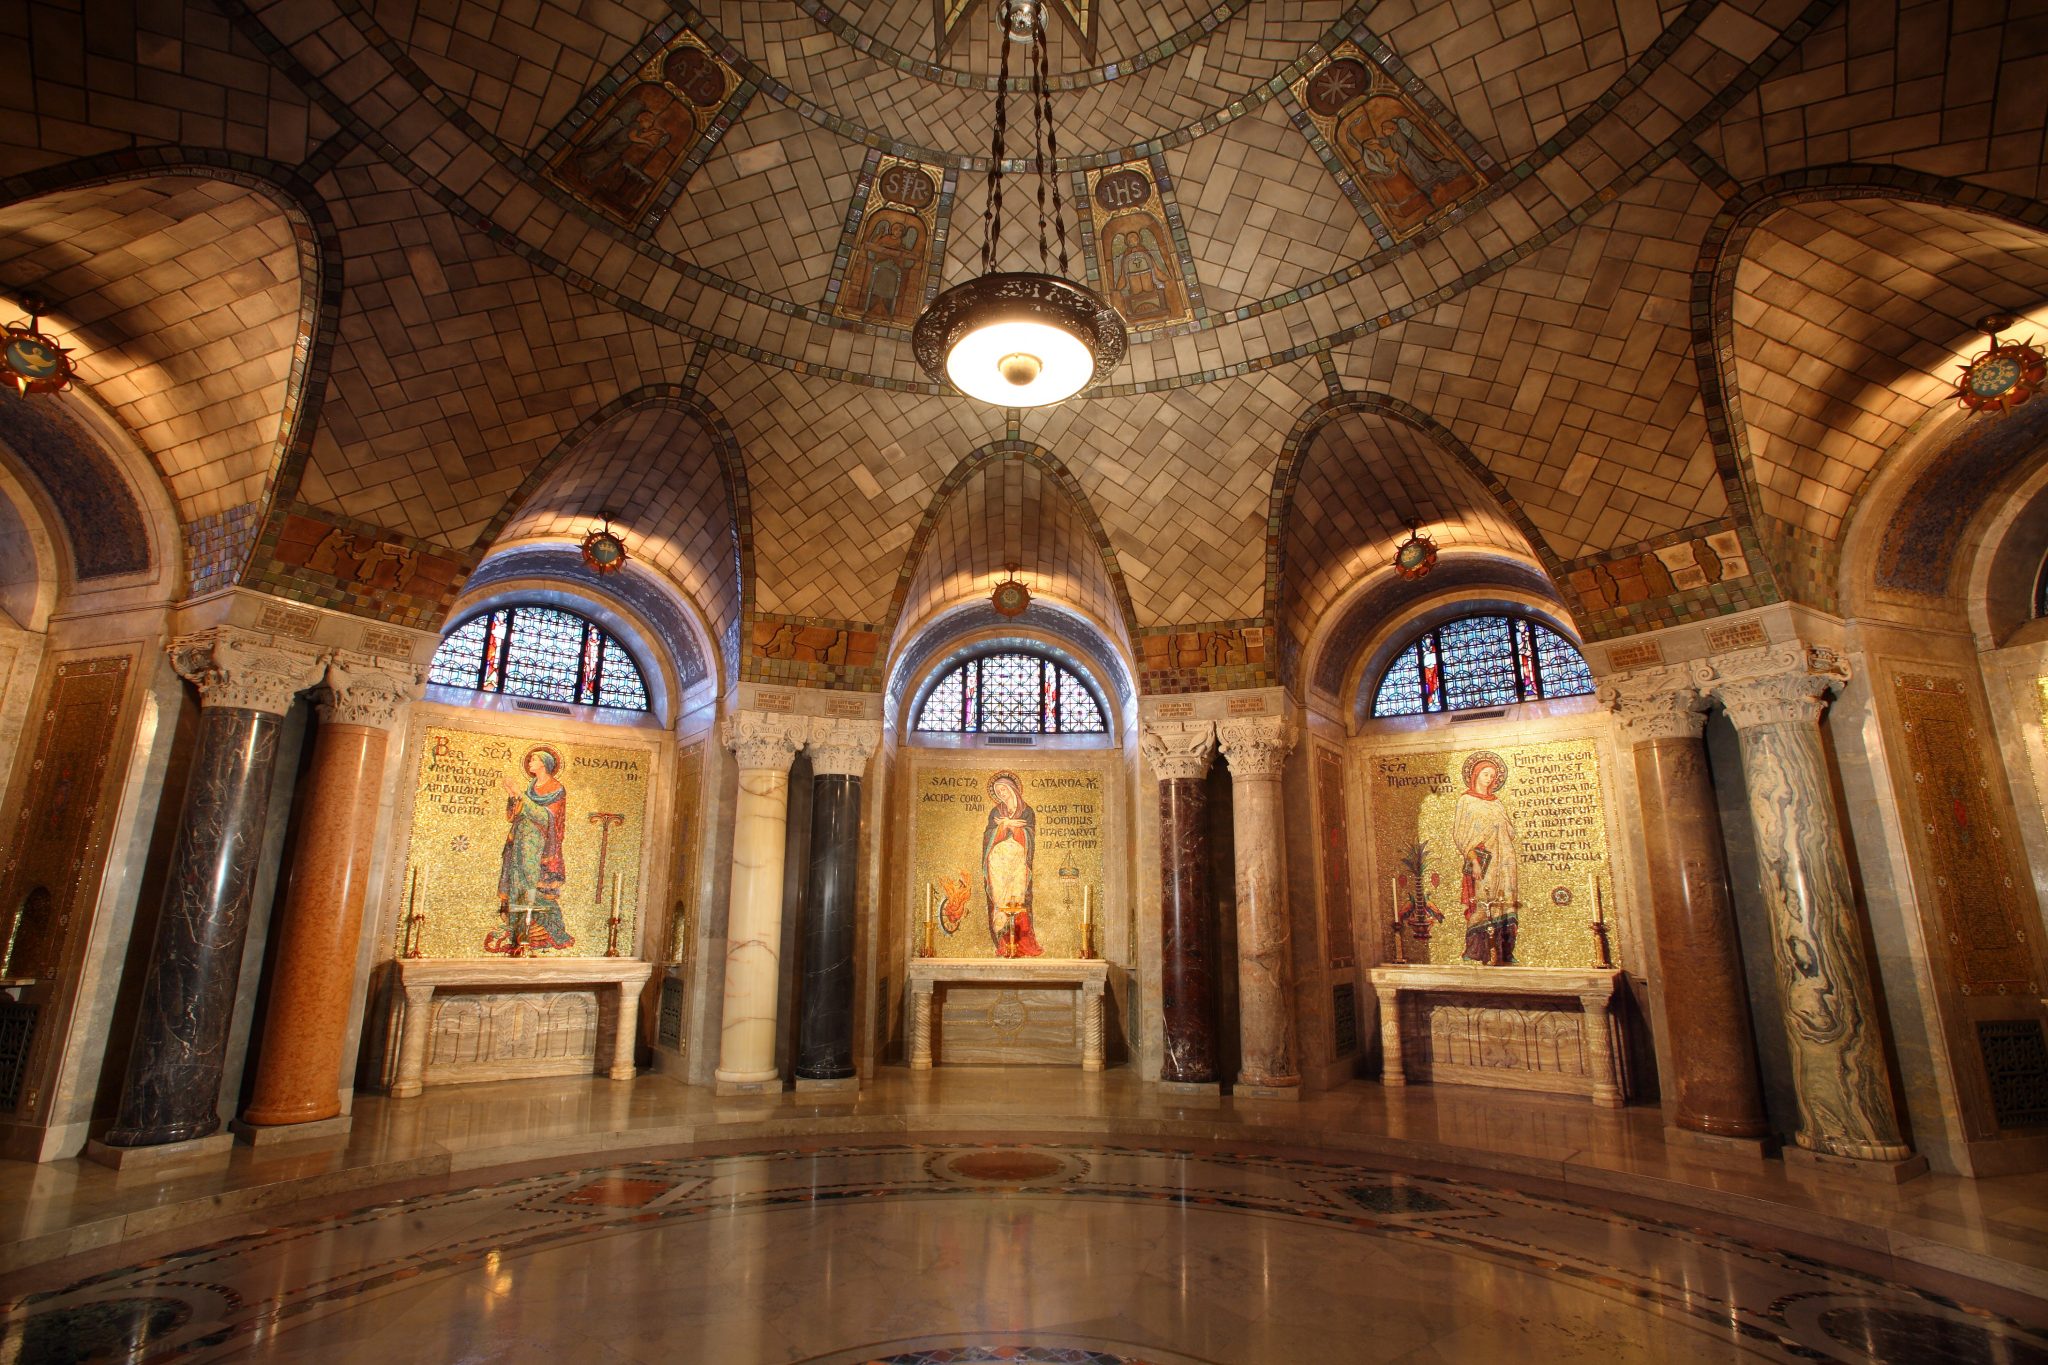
{"x": 964, "y": 1252}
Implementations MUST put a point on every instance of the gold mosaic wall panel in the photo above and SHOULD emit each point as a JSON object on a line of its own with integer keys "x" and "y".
{"x": 675, "y": 943}
{"x": 486, "y": 834}
{"x": 1138, "y": 265}
{"x": 1537, "y": 840}
{"x": 1975, "y": 890}
{"x": 1006, "y": 855}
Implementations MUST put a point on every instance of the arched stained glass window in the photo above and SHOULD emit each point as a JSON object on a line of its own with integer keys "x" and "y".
{"x": 540, "y": 652}
{"x": 1011, "y": 694}
{"x": 1481, "y": 661}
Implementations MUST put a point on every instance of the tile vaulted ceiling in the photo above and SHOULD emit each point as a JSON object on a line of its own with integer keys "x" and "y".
{"x": 1551, "y": 322}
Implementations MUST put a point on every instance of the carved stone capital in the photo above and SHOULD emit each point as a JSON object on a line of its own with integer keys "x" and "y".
{"x": 241, "y": 669}
{"x": 1256, "y": 746}
{"x": 1777, "y": 685}
{"x": 368, "y": 689}
{"x": 762, "y": 740}
{"x": 841, "y": 747}
{"x": 1656, "y": 703}
{"x": 1178, "y": 749}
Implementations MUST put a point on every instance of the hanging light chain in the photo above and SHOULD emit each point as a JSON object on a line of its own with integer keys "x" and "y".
{"x": 992, "y": 211}
{"x": 1049, "y": 156}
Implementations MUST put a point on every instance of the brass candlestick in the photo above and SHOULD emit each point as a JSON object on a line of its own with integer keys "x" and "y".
{"x": 1396, "y": 925}
{"x": 415, "y": 918}
{"x": 1603, "y": 955}
{"x": 1087, "y": 924}
{"x": 611, "y": 945}
{"x": 928, "y": 948}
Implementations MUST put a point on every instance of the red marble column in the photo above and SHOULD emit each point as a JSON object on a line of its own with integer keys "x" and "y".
{"x": 1178, "y": 753}
{"x": 1706, "y": 1003}
{"x": 319, "y": 926}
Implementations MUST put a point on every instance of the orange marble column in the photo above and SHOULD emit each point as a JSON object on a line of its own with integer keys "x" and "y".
{"x": 319, "y": 926}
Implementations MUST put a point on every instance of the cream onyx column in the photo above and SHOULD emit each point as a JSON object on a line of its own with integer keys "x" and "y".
{"x": 171, "y": 1092}
{"x": 298, "y": 1057}
{"x": 763, "y": 745}
{"x": 1661, "y": 714}
{"x": 1776, "y": 696}
{"x": 1256, "y": 749}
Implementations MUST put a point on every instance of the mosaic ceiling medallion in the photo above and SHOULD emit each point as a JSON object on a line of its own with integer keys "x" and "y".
{"x": 2003, "y": 375}
{"x": 1416, "y": 555}
{"x": 603, "y": 551}
{"x": 31, "y": 359}
{"x": 1011, "y": 597}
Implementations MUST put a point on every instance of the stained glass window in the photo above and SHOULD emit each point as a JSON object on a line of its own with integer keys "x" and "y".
{"x": 1011, "y": 694}
{"x": 1481, "y": 661}
{"x": 540, "y": 652}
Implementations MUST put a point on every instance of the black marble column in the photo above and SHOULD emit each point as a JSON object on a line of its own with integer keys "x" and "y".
{"x": 172, "y": 1088}
{"x": 1187, "y": 948}
{"x": 824, "y": 1047}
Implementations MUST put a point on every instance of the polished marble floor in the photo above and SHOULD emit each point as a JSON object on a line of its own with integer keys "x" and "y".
{"x": 971, "y": 1250}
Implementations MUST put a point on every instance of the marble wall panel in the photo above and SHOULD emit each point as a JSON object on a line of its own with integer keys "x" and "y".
{"x": 1008, "y": 1026}
{"x": 494, "y": 1035}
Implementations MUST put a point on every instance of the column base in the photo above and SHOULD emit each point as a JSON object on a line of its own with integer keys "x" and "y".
{"x": 771, "y": 1084}
{"x": 829, "y": 1084}
{"x": 206, "y": 1151}
{"x": 280, "y": 1134}
{"x": 1214, "y": 1088}
{"x": 1801, "y": 1160}
{"x": 1713, "y": 1145}
{"x": 1245, "y": 1090}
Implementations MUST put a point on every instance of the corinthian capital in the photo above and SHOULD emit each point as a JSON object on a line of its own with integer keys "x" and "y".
{"x": 1777, "y": 685}
{"x": 366, "y": 689}
{"x": 759, "y": 739}
{"x": 840, "y": 747}
{"x": 1656, "y": 703}
{"x": 1178, "y": 749}
{"x": 241, "y": 669}
{"x": 1256, "y": 746}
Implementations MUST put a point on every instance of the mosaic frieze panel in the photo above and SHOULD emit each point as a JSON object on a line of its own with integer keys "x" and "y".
{"x": 1397, "y": 152}
{"x": 1206, "y": 659}
{"x": 893, "y": 247}
{"x": 1336, "y": 854}
{"x": 356, "y": 567}
{"x": 1493, "y": 852}
{"x": 1138, "y": 254}
{"x": 630, "y": 156}
{"x": 1980, "y": 902}
{"x": 1007, "y": 863}
{"x": 524, "y": 839}
{"x": 1686, "y": 577}
{"x": 807, "y": 653}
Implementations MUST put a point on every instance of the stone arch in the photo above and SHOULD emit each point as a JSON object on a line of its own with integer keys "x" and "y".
{"x": 648, "y": 457}
{"x": 1058, "y": 541}
{"x": 222, "y": 504}
{"x": 1486, "y": 513}
{"x": 1724, "y": 249}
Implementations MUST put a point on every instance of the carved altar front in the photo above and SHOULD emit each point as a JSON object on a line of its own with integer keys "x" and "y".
{"x": 1007, "y": 1012}
{"x": 1518, "y": 1028}
{"x": 467, "y": 1019}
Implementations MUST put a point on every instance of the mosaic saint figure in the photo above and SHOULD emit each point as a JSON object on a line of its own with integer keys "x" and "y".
{"x": 1407, "y": 168}
{"x": 1142, "y": 276}
{"x": 1009, "y": 843}
{"x": 622, "y": 162}
{"x": 1483, "y": 828}
{"x": 886, "y": 283}
{"x": 531, "y": 871}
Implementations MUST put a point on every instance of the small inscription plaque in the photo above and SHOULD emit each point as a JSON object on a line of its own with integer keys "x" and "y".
{"x": 775, "y": 701}
{"x": 1635, "y": 654}
{"x": 1183, "y": 710}
{"x": 1736, "y": 635}
{"x": 280, "y": 619}
{"x": 1248, "y": 706}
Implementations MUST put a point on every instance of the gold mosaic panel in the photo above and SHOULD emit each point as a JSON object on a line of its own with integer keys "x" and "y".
{"x": 675, "y": 943}
{"x": 621, "y": 159}
{"x": 472, "y": 791}
{"x": 1003, "y": 857}
{"x": 1543, "y": 830}
{"x": 1974, "y": 887}
{"x": 1135, "y": 258}
{"x": 890, "y": 251}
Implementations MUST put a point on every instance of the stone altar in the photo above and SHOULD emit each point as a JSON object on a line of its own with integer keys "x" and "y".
{"x": 1038, "y": 1034}
{"x": 1518, "y": 1028}
{"x": 422, "y": 978}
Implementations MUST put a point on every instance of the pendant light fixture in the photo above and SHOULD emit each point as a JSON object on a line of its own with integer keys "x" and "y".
{"x": 30, "y": 358}
{"x": 2004, "y": 374}
{"x": 1021, "y": 339}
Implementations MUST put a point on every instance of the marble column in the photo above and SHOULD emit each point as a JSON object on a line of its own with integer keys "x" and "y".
{"x": 1699, "y": 957}
{"x": 171, "y": 1090}
{"x": 1256, "y": 749}
{"x": 1776, "y": 696}
{"x": 763, "y": 745}
{"x": 1179, "y": 753}
{"x": 313, "y": 975}
{"x": 839, "y": 751}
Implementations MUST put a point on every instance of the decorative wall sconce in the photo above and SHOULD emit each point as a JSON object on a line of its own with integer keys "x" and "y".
{"x": 1416, "y": 555}
{"x": 2003, "y": 375}
{"x": 30, "y": 358}
{"x": 603, "y": 550}
{"x": 1011, "y": 597}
